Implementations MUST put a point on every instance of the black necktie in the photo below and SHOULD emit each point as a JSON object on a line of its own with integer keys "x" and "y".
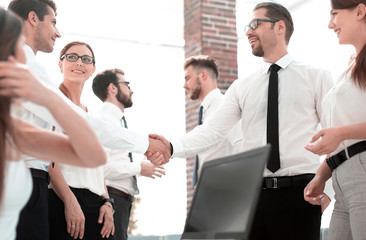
{"x": 196, "y": 161}
{"x": 273, "y": 163}
{"x": 130, "y": 155}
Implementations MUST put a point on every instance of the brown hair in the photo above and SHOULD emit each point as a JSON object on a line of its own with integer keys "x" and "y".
{"x": 102, "y": 80}
{"x": 24, "y": 7}
{"x": 278, "y": 12}
{"x": 203, "y": 61}
{"x": 10, "y": 31}
{"x": 359, "y": 67}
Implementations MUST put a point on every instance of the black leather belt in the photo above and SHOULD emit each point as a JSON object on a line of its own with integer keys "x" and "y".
{"x": 120, "y": 193}
{"x": 287, "y": 182}
{"x": 38, "y": 173}
{"x": 337, "y": 159}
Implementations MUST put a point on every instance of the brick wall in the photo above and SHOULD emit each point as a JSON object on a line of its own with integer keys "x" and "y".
{"x": 210, "y": 29}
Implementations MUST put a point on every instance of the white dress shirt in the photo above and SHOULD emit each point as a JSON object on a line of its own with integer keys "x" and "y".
{"x": 119, "y": 171}
{"x": 344, "y": 105}
{"x": 301, "y": 90}
{"x": 31, "y": 115}
{"x": 230, "y": 143}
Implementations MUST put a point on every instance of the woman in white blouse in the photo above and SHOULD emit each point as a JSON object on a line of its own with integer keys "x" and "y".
{"x": 79, "y": 206}
{"x": 343, "y": 139}
{"x": 18, "y": 137}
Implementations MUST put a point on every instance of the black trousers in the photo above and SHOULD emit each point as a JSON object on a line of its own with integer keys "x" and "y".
{"x": 33, "y": 219}
{"x": 121, "y": 216}
{"x": 283, "y": 213}
{"x": 90, "y": 204}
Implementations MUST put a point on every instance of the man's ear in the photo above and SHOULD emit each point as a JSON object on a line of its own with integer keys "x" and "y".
{"x": 281, "y": 26}
{"x": 112, "y": 89}
{"x": 33, "y": 18}
{"x": 204, "y": 75}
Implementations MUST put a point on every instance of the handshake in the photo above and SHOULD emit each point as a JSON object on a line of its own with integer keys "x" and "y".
{"x": 159, "y": 150}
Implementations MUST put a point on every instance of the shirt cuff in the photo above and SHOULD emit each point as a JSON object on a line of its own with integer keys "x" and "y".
{"x": 178, "y": 148}
{"x": 135, "y": 168}
{"x": 142, "y": 143}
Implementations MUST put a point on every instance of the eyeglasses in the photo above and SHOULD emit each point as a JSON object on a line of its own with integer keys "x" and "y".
{"x": 254, "y": 24}
{"x": 125, "y": 82}
{"x": 73, "y": 57}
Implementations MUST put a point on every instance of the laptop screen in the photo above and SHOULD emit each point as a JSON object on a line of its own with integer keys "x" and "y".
{"x": 225, "y": 199}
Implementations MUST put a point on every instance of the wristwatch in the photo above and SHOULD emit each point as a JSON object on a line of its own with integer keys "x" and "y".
{"x": 110, "y": 200}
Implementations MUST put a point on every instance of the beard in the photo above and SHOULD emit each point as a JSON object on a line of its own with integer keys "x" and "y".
{"x": 124, "y": 99}
{"x": 195, "y": 93}
{"x": 258, "y": 52}
{"x": 42, "y": 44}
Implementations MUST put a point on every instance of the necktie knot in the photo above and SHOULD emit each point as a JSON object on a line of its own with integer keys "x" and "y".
{"x": 274, "y": 68}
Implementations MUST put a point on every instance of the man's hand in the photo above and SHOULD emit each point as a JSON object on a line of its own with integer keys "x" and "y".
{"x": 151, "y": 171}
{"x": 75, "y": 219}
{"x": 106, "y": 217}
{"x": 159, "y": 150}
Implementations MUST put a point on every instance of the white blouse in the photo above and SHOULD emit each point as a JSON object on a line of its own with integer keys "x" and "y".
{"x": 17, "y": 190}
{"x": 344, "y": 105}
{"x": 82, "y": 177}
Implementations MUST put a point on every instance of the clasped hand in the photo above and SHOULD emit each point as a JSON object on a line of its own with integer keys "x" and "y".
{"x": 159, "y": 151}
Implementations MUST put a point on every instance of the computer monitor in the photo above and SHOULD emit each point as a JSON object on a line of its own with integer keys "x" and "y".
{"x": 226, "y": 196}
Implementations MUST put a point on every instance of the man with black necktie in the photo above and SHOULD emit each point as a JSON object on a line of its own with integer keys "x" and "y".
{"x": 201, "y": 73}
{"x": 121, "y": 169}
{"x": 278, "y": 104}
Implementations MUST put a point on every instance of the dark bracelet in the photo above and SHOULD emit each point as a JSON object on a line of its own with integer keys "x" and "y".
{"x": 110, "y": 200}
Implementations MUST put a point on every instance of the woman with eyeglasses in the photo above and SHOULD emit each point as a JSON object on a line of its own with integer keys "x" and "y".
{"x": 79, "y": 206}
{"x": 18, "y": 137}
{"x": 343, "y": 139}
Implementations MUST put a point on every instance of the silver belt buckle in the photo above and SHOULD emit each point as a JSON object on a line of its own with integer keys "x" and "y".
{"x": 346, "y": 151}
{"x": 271, "y": 183}
{"x": 274, "y": 182}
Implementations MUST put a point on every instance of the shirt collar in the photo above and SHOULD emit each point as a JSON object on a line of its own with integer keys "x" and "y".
{"x": 29, "y": 53}
{"x": 116, "y": 111}
{"x": 282, "y": 62}
{"x": 209, "y": 97}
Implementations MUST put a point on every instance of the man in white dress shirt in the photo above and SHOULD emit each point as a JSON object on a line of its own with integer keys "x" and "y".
{"x": 121, "y": 170}
{"x": 201, "y": 73}
{"x": 39, "y": 19}
{"x": 282, "y": 212}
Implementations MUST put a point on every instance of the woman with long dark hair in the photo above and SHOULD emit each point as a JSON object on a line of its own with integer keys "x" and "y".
{"x": 343, "y": 138}
{"x": 80, "y": 147}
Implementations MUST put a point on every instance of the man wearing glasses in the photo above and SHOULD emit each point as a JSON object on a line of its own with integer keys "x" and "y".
{"x": 280, "y": 104}
{"x": 121, "y": 169}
